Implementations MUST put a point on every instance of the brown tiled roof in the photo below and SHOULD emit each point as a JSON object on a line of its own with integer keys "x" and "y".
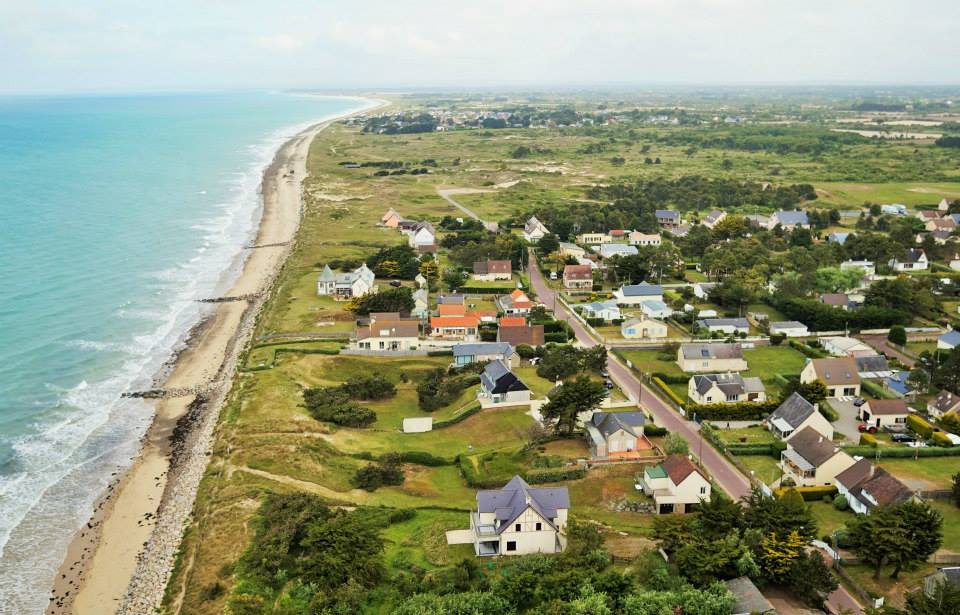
{"x": 887, "y": 406}
{"x": 679, "y": 467}
{"x": 531, "y": 335}
{"x": 812, "y": 446}
{"x": 864, "y": 477}
{"x": 489, "y": 266}
{"x": 390, "y": 328}
{"x": 577, "y": 272}
{"x": 837, "y": 371}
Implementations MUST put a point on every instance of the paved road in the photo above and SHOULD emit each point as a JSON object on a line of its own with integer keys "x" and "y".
{"x": 879, "y": 343}
{"x": 727, "y": 476}
{"x": 446, "y": 195}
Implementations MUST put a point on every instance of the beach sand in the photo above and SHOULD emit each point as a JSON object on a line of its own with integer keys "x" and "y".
{"x": 132, "y": 535}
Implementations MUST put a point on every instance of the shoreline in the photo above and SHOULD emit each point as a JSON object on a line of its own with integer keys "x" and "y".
{"x": 121, "y": 559}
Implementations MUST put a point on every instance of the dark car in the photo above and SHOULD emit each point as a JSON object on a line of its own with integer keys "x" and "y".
{"x": 902, "y": 437}
{"x": 859, "y": 402}
{"x": 396, "y": 283}
{"x": 608, "y": 384}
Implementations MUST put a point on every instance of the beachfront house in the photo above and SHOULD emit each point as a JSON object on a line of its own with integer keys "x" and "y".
{"x": 867, "y": 486}
{"x": 811, "y": 459}
{"x": 796, "y": 414}
{"x": 345, "y": 286}
{"x": 840, "y": 376}
{"x": 616, "y": 435}
{"x": 676, "y": 485}
{"x": 635, "y": 294}
{"x": 388, "y": 335}
{"x": 643, "y": 328}
{"x": 729, "y": 388}
{"x": 717, "y": 358}
{"x": 500, "y": 386}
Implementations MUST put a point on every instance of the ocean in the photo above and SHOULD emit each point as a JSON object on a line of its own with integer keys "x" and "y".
{"x": 116, "y": 214}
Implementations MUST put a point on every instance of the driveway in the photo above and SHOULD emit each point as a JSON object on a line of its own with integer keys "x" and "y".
{"x": 848, "y": 422}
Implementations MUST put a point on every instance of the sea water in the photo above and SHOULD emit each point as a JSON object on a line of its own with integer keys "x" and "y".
{"x": 116, "y": 214}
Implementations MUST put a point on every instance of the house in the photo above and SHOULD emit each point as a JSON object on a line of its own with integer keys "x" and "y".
{"x": 451, "y": 309}
{"x": 592, "y": 239}
{"x": 840, "y": 376}
{"x": 728, "y": 326}
{"x": 490, "y": 270}
{"x": 941, "y": 224}
{"x": 915, "y": 259}
{"x": 811, "y": 459}
{"x": 391, "y": 219}
{"x": 680, "y": 231}
{"x": 729, "y": 388}
{"x": 943, "y": 206}
{"x": 534, "y": 230}
{"x": 869, "y": 269}
{"x": 422, "y": 235}
{"x": 643, "y": 327}
{"x": 789, "y": 328}
{"x": 943, "y": 404}
{"x": 840, "y": 300}
{"x": 705, "y": 313}
{"x": 701, "y": 290}
{"x": 609, "y": 250}
{"x": 421, "y": 303}
{"x": 571, "y": 250}
{"x": 838, "y": 237}
{"x": 635, "y": 294}
{"x": 578, "y": 277}
{"x": 512, "y": 321}
{"x": 676, "y": 485}
{"x": 618, "y": 234}
{"x": 481, "y": 352}
{"x": 636, "y": 238}
{"x": 889, "y": 414}
{"x": 499, "y": 385}
{"x": 459, "y": 327}
{"x": 949, "y": 340}
{"x": 517, "y": 520}
{"x": 344, "y": 286}
{"x": 796, "y": 414}
{"x": 607, "y": 310}
{"x": 615, "y": 434}
{"x": 896, "y": 383}
{"x": 456, "y": 299}
{"x": 713, "y": 218}
{"x": 788, "y": 220}
{"x": 388, "y": 335}
{"x": 873, "y": 366}
{"x": 529, "y": 335}
{"x": 748, "y": 599}
{"x": 940, "y": 236}
{"x": 716, "y": 358}
{"x": 516, "y": 302}
{"x": 667, "y": 218}
{"x": 421, "y": 281}
{"x": 927, "y": 214}
{"x": 943, "y": 576}
{"x": 656, "y": 309}
{"x": 955, "y": 263}
{"x": 894, "y": 209}
{"x": 867, "y": 486}
{"x": 840, "y": 346}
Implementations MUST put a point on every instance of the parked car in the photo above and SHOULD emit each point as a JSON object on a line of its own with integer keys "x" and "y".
{"x": 605, "y": 374}
{"x": 859, "y": 402}
{"x": 902, "y": 437}
{"x": 553, "y": 275}
{"x": 608, "y": 384}
{"x": 862, "y": 427}
{"x": 396, "y": 283}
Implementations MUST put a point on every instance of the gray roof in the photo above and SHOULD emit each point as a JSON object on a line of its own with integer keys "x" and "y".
{"x": 944, "y": 401}
{"x": 950, "y": 337}
{"x": 794, "y": 410}
{"x": 483, "y": 348}
{"x": 748, "y": 597}
{"x": 740, "y": 323}
{"x": 643, "y": 289}
{"x": 730, "y": 384}
{"x": 511, "y": 501}
{"x": 667, "y": 213}
{"x": 611, "y": 422}
{"x": 872, "y": 363}
{"x": 711, "y": 351}
{"x": 912, "y": 255}
{"x": 787, "y": 324}
{"x": 791, "y": 217}
{"x": 451, "y": 300}
{"x": 497, "y": 378}
{"x": 327, "y": 274}
{"x": 713, "y": 216}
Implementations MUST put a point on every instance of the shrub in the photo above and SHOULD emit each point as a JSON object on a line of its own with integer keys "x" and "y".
{"x": 867, "y": 439}
{"x": 672, "y": 379}
{"x": 813, "y": 353}
{"x": 554, "y": 475}
{"x": 897, "y": 335}
{"x": 368, "y": 387}
{"x": 668, "y": 391}
{"x": 374, "y": 475}
{"x": 920, "y": 425}
{"x": 595, "y": 322}
{"x": 743, "y": 411}
{"x": 654, "y": 431}
{"x": 941, "y": 439}
{"x": 777, "y": 338}
{"x": 422, "y": 458}
{"x": 809, "y": 494}
{"x": 840, "y": 502}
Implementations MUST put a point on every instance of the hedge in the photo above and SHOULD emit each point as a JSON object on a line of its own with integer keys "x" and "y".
{"x": 595, "y": 322}
{"x": 744, "y": 450}
{"x": 460, "y": 417}
{"x": 555, "y": 475}
{"x": 421, "y": 458}
{"x": 486, "y": 290}
{"x": 867, "y": 439}
{"x": 806, "y": 350}
{"x": 920, "y": 425}
{"x": 809, "y": 494}
{"x": 941, "y": 439}
{"x": 876, "y": 390}
{"x": 672, "y": 379}
{"x": 669, "y": 392}
{"x": 654, "y": 431}
{"x": 440, "y": 353}
{"x": 828, "y": 412}
{"x": 742, "y": 411}
{"x": 558, "y": 338}
{"x": 902, "y": 452}
{"x": 781, "y": 380}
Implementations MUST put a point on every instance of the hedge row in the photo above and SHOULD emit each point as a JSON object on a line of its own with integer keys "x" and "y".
{"x": 920, "y": 425}
{"x": 828, "y": 412}
{"x": 742, "y": 411}
{"x": 460, "y": 417}
{"x": 672, "y": 379}
{"x": 555, "y": 475}
{"x": 668, "y": 391}
{"x": 654, "y": 431}
{"x": 486, "y": 290}
{"x": 421, "y": 458}
{"x": 772, "y": 449}
{"x": 876, "y": 390}
{"x": 941, "y": 439}
{"x": 813, "y": 353}
{"x": 440, "y": 353}
{"x": 902, "y": 452}
{"x": 809, "y": 494}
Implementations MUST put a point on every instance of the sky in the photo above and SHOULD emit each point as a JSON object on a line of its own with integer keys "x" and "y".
{"x": 49, "y": 46}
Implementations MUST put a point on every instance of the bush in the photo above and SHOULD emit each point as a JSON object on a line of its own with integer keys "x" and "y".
{"x": 867, "y": 439}
{"x": 422, "y": 458}
{"x": 460, "y": 417}
{"x": 742, "y": 411}
{"x": 897, "y": 335}
{"x": 876, "y": 390}
{"x": 555, "y": 475}
{"x": 813, "y": 353}
{"x": 668, "y": 391}
{"x": 654, "y": 431}
{"x": 672, "y": 379}
{"x": 828, "y": 412}
{"x": 777, "y": 338}
{"x": 368, "y": 387}
{"x": 743, "y": 450}
{"x": 375, "y": 475}
{"x": 595, "y": 322}
{"x": 399, "y": 516}
{"x": 920, "y": 425}
{"x": 840, "y": 502}
{"x": 941, "y": 439}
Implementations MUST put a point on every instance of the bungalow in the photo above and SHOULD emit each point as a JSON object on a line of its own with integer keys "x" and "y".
{"x": 615, "y": 434}
{"x": 344, "y": 286}
{"x": 711, "y": 358}
{"x": 459, "y": 327}
{"x": 894, "y": 209}
{"x": 643, "y": 327}
{"x": 609, "y": 250}
{"x": 516, "y": 302}
{"x": 840, "y": 300}
{"x": 869, "y": 269}
{"x": 679, "y": 231}
{"x": 534, "y": 230}
{"x": 897, "y": 384}
{"x": 455, "y": 299}
{"x": 528, "y": 335}
{"x": 728, "y": 326}
{"x": 592, "y": 239}
{"x": 889, "y": 414}
{"x": 789, "y": 328}
{"x": 607, "y": 310}
{"x": 635, "y": 294}
{"x": 789, "y": 220}
{"x": 701, "y": 290}
{"x": 949, "y": 340}
{"x": 391, "y": 219}
{"x": 481, "y": 352}
{"x": 927, "y": 214}
{"x": 668, "y": 218}
{"x": 915, "y": 259}
{"x": 421, "y": 303}
{"x": 490, "y": 270}
{"x": 796, "y": 414}
{"x": 637, "y": 238}
{"x": 943, "y": 404}
{"x": 840, "y": 376}
{"x": 499, "y": 385}
{"x": 873, "y": 366}
{"x": 578, "y": 277}
{"x": 840, "y": 346}
{"x": 942, "y": 224}
{"x": 388, "y": 336}
{"x": 866, "y": 487}
{"x": 676, "y": 485}
{"x": 572, "y": 250}
{"x": 517, "y": 520}
{"x": 451, "y": 309}
{"x": 811, "y": 459}
{"x": 656, "y": 309}
{"x": 713, "y": 218}
{"x": 727, "y": 388}
{"x": 838, "y": 238}
{"x": 422, "y": 235}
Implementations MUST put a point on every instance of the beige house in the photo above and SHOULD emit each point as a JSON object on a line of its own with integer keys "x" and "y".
{"x": 796, "y": 414}
{"x": 637, "y": 238}
{"x": 643, "y": 328}
{"x": 590, "y": 239}
{"x": 715, "y": 358}
{"x": 391, "y": 219}
{"x": 388, "y": 336}
{"x": 811, "y": 459}
{"x": 943, "y": 404}
{"x": 841, "y": 376}
{"x": 676, "y": 485}
{"x": 534, "y": 230}
{"x": 616, "y": 435}
{"x": 517, "y": 520}
{"x": 572, "y": 250}
{"x": 729, "y": 388}
{"x": 888, "y": 414}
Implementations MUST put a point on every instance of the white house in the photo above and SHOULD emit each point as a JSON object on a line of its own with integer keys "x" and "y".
{"x": 915, "y": 259}
{"x": 796, "y": 414}
{"x": 421, "y": 303}
{"x": 840, "y": 376}
{"x": 344, "y": 286}
{"x": 840, "y": 346}
{"x": 676, "y": 485}
{"x": 894, "y": 209}
{"x": 955, "y": 263}
{"x": 867, "y": 486}
{"x": 498, "y": 385}
{"x": 728, "y": 326}
{"x": 789, "y": 328}
{"x": 869, "y": 269}
{"x": 949, "y": 340}
{"x": 888, "y": 414}
{"x": 656, "y": 309}
{"x": 811, "y": 459}
{"x": 385, "y": 335}
{"x": 422, "y": 235}
{"x": 729, "y": 388}
{"x": 491, "y": 270}
{"x": 572, "y": 250}
{"x": 609, "y": 250}
{"x": 615, "y": 434}
{"x": 637, "y": 238}
{"x": 789, "y": 220}
{"x": 534, "y": 230}
{"x": 943, "y": 206}
{"x": 479, "y": 352}
{"x": 716, "y": 358}
{"x": 943, "y": 404}
{"x": 635, "y": 294}
{"x": 607, "y": 310}
{"x": 517, "y": 520}
{"x": 701, "y": 290}
{"x": 643, "y": 327}
{"x": 713, "y": 218}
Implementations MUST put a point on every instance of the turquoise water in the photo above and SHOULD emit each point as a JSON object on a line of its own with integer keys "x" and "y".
{"x": 116, "y": 213}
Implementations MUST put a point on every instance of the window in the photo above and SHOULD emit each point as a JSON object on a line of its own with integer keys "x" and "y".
{"x": 703, "y": 490}
{"x": 539, "y": 526}
{"x": 516, "y": 528}
{"x": 511, "y": 545}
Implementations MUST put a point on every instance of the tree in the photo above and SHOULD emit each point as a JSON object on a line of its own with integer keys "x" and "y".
{"x": 779, "y": 554}
{"x": 956, "y": 489}
{"x": 810, "y": 579}
{"x": 572, "y": 398}
{"x": 548, "y": 244}
{"x": 897, "y": 335}
{"x": 923, "y": 531}
{"x": 675, "y": 444}
{"x": 878, "y": 538}
{"x": 388, "y": 300}
{"x": 814, "y": 392}
{"x": 430, "y": 270}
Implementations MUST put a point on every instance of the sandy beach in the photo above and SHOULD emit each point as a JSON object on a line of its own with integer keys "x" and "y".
{"x": 121, "y": 559}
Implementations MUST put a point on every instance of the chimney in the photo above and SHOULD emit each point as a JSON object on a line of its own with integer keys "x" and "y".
{"x": 873, "y": 469}
{"x": 820, "y": 439}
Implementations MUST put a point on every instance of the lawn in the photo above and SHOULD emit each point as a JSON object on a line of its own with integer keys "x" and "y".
{"x": 764, "y": 467}
{"x": 829, "y": 518}
{"x": 756, "y": 434}
{"x": 767, "y": 361}
{"x": 421, "y": 541}
{"x": 538, "y": 386}
{"x": 893, "y": 591}
{"x": 919, "y": 347}
{"x": 647, "y": 361}
{"x": 951, "y": 524}
{"x": 924, "y": 473}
